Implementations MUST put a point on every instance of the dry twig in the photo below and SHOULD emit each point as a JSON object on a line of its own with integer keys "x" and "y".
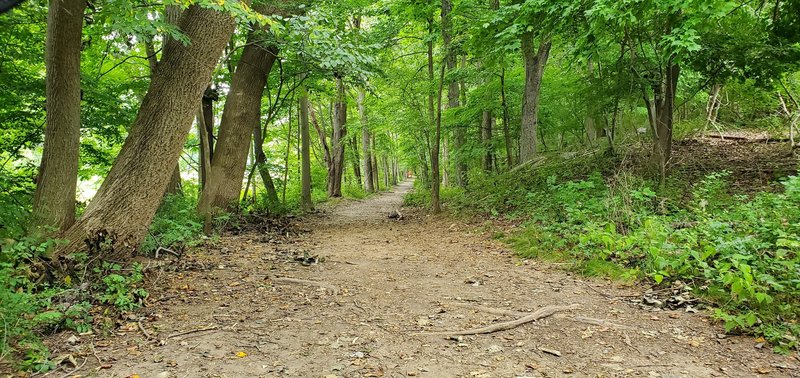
{"x": 537, "y": 315}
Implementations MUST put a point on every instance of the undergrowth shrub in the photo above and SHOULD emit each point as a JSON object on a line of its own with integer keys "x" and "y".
{"x": 739, "y": 253}
{"x": 175, "y": 226}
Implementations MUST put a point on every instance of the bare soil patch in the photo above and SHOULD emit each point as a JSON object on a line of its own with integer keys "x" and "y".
{"x": 361, "y": 295}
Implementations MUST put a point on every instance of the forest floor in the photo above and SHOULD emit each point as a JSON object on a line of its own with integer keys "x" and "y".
{"x": 365, "y": 287}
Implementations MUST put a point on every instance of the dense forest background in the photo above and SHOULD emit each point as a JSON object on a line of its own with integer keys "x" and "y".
{"x": 637, "y": 139}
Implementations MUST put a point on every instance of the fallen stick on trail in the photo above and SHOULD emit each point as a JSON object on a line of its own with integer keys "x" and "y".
{"x": 297, "y": 281}
{"x": 489, "y": 310}
{"x": 599, "y": 322}
{"x": 539, "y": 314}
{"x": 192, "y": 331}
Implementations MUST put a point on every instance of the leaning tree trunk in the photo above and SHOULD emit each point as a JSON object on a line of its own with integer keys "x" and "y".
{"x": 712, "y": 107}
{"x": 534, "y": 69}
{"x": 123, "y": 208}
{"x": 263, "y": 170}
{"x": 338, "y": 141}
{"x": 241, "y": 115}
{"x": 54, "y": 199}
{"x": 365, "y": 145}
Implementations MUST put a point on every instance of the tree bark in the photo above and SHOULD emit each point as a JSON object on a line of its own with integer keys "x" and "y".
{"x": 54, "y": 199}
{"x": 375, "y": 171}
{"x": 241, "y": 115}
{"x": 263, "y": 169}
{"x": 338, "y": 141}
{"x": 306, "y": 205}
{"x": 486, "y": 137}
{"x": 712, "y": 107}
{"x": 204, "y": 152}
{"x": 126, "y": 202}
{"x": 436, "y": 203}
{"x": 660, "y": 111}
{"x": 534, "y": 69}
{"x": 365, "y": 145}
{"x": 506, "y": 121}
{"x": 356, "y": 159}
{"x": 453, "y": 93}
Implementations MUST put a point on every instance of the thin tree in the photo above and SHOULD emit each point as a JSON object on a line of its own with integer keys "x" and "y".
{"x": 54, "y": 199}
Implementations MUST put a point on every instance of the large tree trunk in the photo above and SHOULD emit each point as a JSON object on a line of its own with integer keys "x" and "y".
{"x": 123, "y": 208}
{"x": 534, "y": 69}
{"x": 54, "y": 199}
{"x": 306, "y": 204}
{"x": 365, "y": 145}
{"x": 241, "y": 115}
{"x": 453, "y": 93}
{"x": 338, "y": 141}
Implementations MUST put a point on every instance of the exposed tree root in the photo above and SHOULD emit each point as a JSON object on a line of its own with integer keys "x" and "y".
{"x": 297, "y": 281}
{"x": 538, "y": 314}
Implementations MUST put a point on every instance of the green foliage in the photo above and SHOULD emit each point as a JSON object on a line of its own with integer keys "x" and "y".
{"x": 30, "y": 307}
{"x": 176, "y": 225}
{"x": 121, "y": 289}
{"x": 739, "y": 253}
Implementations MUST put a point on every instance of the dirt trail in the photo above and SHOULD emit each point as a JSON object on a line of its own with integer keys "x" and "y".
{"x": 387, "y": 280}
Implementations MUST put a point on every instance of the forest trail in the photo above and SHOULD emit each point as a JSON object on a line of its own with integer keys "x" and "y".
{"x": 228, "y": 313}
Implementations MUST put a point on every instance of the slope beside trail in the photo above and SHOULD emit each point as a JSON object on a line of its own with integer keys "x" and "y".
{"x": 349, "y": 298}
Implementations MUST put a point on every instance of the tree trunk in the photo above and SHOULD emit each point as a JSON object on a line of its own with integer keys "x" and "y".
{"x": 54, "y": 199}
{"x": 712, "y": 107}
{"x": 534, "y": 69}
{"x": 436, "y": 203}
{"x": 453, "y": 93}
{"x": 506, "y": 121}
{"x": 263, "y": 169}
{"x": 123, "y": 208}
{"x": 241, "y": 115}
{"x": 356, "y": 159}
{"x": 365, "y": 145}
{"x": 205, "y": 147}
{"x": 375, "y": 172}
{"x": 306, "y": 205}
{"x": 660, "y": 110}
{"x": 338, "y": 141}
{"x": 486, "y": 137}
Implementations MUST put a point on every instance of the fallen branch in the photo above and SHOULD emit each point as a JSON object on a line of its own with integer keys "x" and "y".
{"x": 489, "y": 310}
{"x": 144, "y": 331}
{"x": 539, "y": 314}
{"x": 599, "y": 322}
{"x": 76, "y": 369}
{"x": 297, "y": 281}
{"x": 190, "y": 332}
{"x": 746, "y": 138}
